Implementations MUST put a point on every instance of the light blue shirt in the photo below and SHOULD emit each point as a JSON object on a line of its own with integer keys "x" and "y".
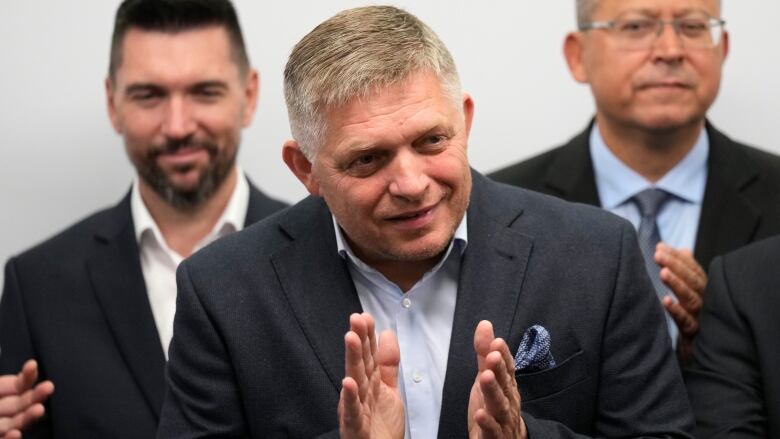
{"x": 678, "y": 219}
{"x": 421, "y": 319}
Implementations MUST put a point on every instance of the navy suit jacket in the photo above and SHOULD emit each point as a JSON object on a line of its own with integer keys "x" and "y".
{"x": 78, "y": 304}
{"x": 258, "y": 346}
{"x": 734, "y": 380}
{"x": 741, "y": 200}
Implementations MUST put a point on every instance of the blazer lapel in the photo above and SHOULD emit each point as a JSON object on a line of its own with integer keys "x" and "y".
{"x": 728, "y": 220}
{"x": 491, "y": 278}
{"x": 317, "y": 284}
{"x": 570, "y": 175}
{"x": 117, "y": 279}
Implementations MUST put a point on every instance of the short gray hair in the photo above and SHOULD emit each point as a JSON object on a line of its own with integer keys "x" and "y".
{"x": 586, "y": 8}
{"x": 350, "y": 55}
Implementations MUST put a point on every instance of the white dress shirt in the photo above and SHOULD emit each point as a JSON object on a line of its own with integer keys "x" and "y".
{"x": 159, "y": 262}
{"x": 421, "y": 319}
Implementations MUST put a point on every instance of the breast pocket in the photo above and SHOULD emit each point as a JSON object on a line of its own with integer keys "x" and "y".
{"x": 541, "y": 384}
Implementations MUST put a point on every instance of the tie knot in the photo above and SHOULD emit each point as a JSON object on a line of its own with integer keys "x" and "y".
{"x": 649, "y": 201}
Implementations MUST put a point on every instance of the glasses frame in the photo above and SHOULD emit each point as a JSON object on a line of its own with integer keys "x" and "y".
{"x": 675, "y": 23}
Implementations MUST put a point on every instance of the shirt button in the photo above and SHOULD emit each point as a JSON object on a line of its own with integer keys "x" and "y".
{"x": 406, "y": 303}
{"x": 416, "y": 377}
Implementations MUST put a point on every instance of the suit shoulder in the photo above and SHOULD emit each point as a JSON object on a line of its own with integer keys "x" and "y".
{"x": 554, "y": 216}
{"x": 75, "y": 239}
{"x": 527, "y": 173}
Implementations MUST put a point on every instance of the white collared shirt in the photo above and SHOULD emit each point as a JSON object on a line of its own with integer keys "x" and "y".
{"x": 159, "y": 261}
{"x": 422, "y": 320}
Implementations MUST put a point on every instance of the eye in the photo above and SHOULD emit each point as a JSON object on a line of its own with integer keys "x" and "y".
{"x": 146, "y": 97}
{"x": 365, "y": 164}
{"x": 693, "y": 27}
{"x": 636, "y": 27}
{"x": 431, "y": 143}
{"x": 208, "y": 93}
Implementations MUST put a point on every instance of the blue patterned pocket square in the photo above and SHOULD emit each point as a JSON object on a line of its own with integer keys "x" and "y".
{"x": 534, "y": 353}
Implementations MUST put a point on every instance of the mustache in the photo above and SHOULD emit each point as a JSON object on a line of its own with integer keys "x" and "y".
{"x": 173, "y": 145}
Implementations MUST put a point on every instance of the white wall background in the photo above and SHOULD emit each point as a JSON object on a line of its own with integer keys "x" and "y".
{"x": 60, "y": 159}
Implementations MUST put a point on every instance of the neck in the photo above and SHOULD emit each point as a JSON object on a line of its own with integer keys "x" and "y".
{"x": 651, "y": 153}
{"x": 406, "y": 274}
{"x": 184, "y": 229}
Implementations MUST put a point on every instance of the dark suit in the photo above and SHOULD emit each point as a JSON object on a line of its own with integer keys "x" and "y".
{"x": 258, "y": 346}
{"x": 78, "y": 304}
{"x": 734, "y": 381}
{"x": 741, "y": 200}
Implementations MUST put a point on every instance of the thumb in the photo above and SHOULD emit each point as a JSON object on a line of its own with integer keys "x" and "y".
{"x": 389, "y": 357}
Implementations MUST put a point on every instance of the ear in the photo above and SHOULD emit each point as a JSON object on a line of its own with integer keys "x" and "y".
{"x": 573, "y": 51}
{"x": 468, "y": 111}
{"x": 300, "y": 166}
{"x": 251, "y": 96}
{"x": 725, "y": 44}
{"x": 111, "y": 104}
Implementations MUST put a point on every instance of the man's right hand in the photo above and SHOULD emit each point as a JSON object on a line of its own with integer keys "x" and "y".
{"x": 21, "y": 400}
{"x": 370, "y": 404}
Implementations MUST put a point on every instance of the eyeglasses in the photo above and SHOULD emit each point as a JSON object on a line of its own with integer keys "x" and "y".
{"x": 641, "y": 33}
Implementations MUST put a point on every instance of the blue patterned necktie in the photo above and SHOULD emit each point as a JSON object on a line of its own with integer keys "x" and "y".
{"x": 650, "y": 202}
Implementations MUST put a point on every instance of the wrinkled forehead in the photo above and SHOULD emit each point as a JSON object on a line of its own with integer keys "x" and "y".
{"x": 606, "y": 9}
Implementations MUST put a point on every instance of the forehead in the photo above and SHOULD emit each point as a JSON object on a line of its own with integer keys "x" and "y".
{"x": 393, "y": 113}
{"x": 609, "y": 8}
{"x": 190, "y": 55}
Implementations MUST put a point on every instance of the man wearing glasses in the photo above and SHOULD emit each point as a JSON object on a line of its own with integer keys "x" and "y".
{"x": 650, "y": 155}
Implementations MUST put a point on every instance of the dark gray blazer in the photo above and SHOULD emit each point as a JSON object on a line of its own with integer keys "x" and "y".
{"x": 734, "y": 381}
{"x": 741, "y": 199}
{"x": 258, "y": 346}
{"x": 78, "y": 304}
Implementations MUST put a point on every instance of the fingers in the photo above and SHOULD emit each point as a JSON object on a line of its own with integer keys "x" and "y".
{"x": 27, "y": 376}
{"x": 683, "y": 265}
{"x": 389, "y": 358}
{"x": 350, "y": 408}
{"x": 19, "y": 383}
{"x": 685, "y": 320}
{"x": 483, "y": 336}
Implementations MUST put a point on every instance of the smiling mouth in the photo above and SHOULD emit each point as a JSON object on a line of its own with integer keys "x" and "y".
{"x": 412, "y": 215}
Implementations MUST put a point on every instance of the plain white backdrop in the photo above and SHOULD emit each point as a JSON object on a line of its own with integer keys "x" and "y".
{"x": 61, "y": 160}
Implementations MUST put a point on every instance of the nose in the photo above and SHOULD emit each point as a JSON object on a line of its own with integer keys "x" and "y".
{"x": 668, "y": 45}
{"x": 178, "y": 122}
{"x": 409, "y": 180}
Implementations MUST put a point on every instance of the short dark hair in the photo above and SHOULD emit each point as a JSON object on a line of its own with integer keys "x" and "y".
{"x": 176, "y": 16}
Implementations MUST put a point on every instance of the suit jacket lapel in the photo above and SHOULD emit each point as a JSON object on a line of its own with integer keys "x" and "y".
{"x": 491, "y": 278}
{"x": 571, "y": 175}
{"x": 317, "y": 283}
{"x": 117, "y": 279}
{"x": 728, "y": 220}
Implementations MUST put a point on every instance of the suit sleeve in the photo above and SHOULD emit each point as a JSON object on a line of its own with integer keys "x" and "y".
{"x": 16, "y": 345}
{"x": 641, "y": 392}
{"x": 15, "y": 341}
{"x": 202, "y": 398}
{"x": 723, "y": 381}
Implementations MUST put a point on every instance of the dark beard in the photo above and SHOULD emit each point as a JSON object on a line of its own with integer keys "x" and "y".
{"x": 210, "y": 180}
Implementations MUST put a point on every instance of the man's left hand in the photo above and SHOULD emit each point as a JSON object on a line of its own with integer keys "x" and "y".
{"x": 687, "y": 280}
{"x": 494, "y": 404}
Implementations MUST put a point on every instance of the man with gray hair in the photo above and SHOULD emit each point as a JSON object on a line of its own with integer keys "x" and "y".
{"x": 650, "y": 155}
{"x": 502, "y": 313}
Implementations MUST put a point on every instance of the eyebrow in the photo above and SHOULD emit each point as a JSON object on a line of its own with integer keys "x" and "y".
{"x": 147, "y": 86}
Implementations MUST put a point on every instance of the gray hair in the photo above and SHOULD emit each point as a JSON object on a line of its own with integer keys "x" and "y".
{"x": 351, "y": 54}
{"x": 586, "y": 8}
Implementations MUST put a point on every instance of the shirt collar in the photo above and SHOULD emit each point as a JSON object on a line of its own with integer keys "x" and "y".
{"x": 459, "y": 239}
{"x": 232, "y": 218}
{"x": 617, "y": 183}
